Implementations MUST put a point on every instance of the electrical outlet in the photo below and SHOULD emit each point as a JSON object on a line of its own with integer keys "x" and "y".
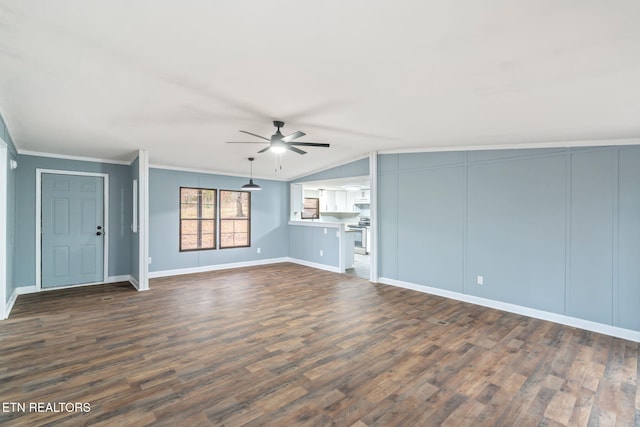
{"x": 321, "y": 252}
{"x": 259, "y": 250}
{"x": 480, "y": 280}
{"x": 325, "y": 231}
{"x": 149, "y": 260}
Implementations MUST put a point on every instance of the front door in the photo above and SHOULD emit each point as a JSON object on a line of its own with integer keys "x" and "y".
{"x": 72, "y": 230}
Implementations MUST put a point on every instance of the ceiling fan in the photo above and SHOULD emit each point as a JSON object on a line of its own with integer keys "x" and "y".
{"x": 279, "y": 143}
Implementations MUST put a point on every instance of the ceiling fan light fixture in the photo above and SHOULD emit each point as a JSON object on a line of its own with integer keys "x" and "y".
{"x": 278, "y": 147}
{"x": 251, "y": 186}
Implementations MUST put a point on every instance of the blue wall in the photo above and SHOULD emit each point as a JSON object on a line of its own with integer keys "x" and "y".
{"x": 119, "y": 229}
{"x": 269, "y": 217}
{"x": 551, "y": 229}
{"x": 357, "y": 168}
{"x": 305, "y": 243}
{"x": 11, "y": 210}
{"x": 11, "y": 227}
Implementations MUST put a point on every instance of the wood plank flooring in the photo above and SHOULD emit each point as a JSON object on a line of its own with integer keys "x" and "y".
{"x": 287, "y": 345}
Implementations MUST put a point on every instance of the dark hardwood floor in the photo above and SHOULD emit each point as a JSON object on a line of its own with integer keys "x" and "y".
{"x": 287, "y": 345}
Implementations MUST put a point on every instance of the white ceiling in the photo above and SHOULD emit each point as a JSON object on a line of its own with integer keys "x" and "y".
{"x": 179, "y": 78}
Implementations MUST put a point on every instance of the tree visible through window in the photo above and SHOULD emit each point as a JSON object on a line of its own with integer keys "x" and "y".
{"x": 235, "y": 219}
{"x": 197, "y": 219}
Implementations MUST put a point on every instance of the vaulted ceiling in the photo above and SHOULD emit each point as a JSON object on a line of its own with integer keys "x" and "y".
{"x": 102, "y": 79}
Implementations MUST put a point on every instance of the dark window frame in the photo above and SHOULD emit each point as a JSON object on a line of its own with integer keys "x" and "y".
{"x": 316, "y": 215}
{"x": 247, "y": 219}
{"x": 199, "y": 219}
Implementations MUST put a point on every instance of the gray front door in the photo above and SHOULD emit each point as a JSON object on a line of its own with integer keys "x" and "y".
{"x": 72, "y": 230}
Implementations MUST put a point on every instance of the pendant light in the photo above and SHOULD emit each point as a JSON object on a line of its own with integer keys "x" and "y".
{"x": 251, "y": 186}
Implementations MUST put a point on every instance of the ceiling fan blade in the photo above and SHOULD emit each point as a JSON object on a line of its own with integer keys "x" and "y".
{"x": 296, "y": 150}
{"x": 245, "y": 142}
{"x": 309, "y": 144}
{"x": 264, "y": 149}
{"x": 261, "y": 137}
{"x": 293, "y": 136}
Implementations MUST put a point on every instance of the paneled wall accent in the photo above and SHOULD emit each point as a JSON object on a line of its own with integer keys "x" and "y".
{"x": 305, "y": 243}
{"x": 556, "y": 230}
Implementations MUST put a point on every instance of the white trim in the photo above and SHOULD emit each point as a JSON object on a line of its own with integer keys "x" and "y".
{"x": 284, "y": 179}
{"x": 23, "y": 290}
{"x": 373, "y": 215}
{"x": 551, "y": 144}
{"x": 212, "y": 172}
{"x": 111, "y": 279}
{"x": 316, "y": 265}
{"x": 67, "y": 157}
{"x": 325, "y": 168}
{"x": 134, "y": 223}
{"x": 134, "y": 282}
{"x": 518, "y": 309}
{"x": 116, "y": 279}
{"x": 106, "y": 226}
{"x": 143, "y": 225}
{"x": 10, "y": 303}
{"x": 205, "y": 268}
{"x": 4, "y": 156}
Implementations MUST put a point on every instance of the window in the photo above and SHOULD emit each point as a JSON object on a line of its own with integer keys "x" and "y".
{"x": 197, "y": 219}
{"x": 311, "y": 209}
{"x": 235, "y": 219}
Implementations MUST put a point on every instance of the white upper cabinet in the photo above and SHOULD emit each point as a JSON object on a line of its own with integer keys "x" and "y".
{"x": 351, "y": 200}
{"x": 327, "y": 201}
{"x": 341, "y": 201}
{"x": 297, "y": 200}
{"x": 363, "y": 196}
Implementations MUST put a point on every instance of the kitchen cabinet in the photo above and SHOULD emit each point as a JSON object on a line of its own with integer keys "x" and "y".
{"x": 337, "y": 201}
{"x": 363, "y": 197}
{"x": 297, "y": 201}
{"x": 328, "y": 201}
{"x": 341, "y": 201}
{"x": 351, "y": 201}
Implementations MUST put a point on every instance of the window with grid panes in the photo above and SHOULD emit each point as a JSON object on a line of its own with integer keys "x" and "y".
{"x": 235, "y": 219}
{"x": 197, "y": 219}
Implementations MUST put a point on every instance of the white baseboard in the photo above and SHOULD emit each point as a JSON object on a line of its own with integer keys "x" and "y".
{"x": 326, "y": 267}
{"x": 14, "y": 296}
{"x": 205, "y": 268}
{"x": 25, "y": 290}
{"x": 116, "y": 279}
{"x": 134, "y": 282}
{"x": 9, "y": 306}
{"x": 575, "y": 322}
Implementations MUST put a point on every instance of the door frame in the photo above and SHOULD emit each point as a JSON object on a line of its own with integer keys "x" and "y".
{"x": 105, "y": 183}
